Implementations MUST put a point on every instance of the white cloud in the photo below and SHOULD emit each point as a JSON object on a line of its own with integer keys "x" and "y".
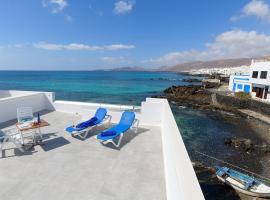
{"x": 115, "y": 60}
{"x": 81, "y": 47}
{"x": 56, "y": 6}
{"x": 115, "y": 47}
{"x": 230, "y": 44}
{"x": 122, "y": 6}
{"x": 256, "y": 8}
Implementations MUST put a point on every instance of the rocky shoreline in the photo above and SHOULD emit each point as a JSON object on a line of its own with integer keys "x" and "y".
{"x": 255, "y": 142}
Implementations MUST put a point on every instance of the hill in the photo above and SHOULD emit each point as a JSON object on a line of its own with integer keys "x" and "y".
{"x": 207, "y": 64}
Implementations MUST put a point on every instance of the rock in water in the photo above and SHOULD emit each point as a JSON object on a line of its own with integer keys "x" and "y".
{"x": 242, "y": 143}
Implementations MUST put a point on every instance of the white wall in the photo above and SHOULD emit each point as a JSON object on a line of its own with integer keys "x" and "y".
{"x": 87, "y": 110}
{"x": 181, "y": 180}
{"x": 37, "y": 100}
{"x": 231, "y": 82}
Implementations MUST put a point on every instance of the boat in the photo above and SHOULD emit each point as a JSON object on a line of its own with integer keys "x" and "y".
{"x": 243, "y": 183}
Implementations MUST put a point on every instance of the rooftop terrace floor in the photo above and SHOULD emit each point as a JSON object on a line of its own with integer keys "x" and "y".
{"x": 70, "y": 168}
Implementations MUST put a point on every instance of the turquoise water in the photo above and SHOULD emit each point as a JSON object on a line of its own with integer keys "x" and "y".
{"x": 92, "y": 86}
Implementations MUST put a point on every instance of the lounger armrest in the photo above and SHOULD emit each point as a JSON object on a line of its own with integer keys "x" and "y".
{"x": 135, "y": 125}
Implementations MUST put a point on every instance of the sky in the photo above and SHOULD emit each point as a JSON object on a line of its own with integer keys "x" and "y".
{"x": 99, "y": 34}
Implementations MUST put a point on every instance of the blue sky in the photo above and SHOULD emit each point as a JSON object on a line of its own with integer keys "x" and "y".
{"x": 96, "y": 34}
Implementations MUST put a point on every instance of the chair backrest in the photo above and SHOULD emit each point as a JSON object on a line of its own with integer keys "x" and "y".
{"x": 24, "y": 114}
{"x": 101, "y": 113}
{"x": 127, "y": 118}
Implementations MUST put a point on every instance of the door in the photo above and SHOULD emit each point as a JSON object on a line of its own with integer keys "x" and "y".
{"x": 259, "y": 92}
{"x": 247, "y": 88}
{"x": 265, "y": 92}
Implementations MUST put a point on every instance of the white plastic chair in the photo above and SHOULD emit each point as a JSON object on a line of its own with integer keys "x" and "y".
{"x": 24, "y": 114}
{"x": 10, "y": 135}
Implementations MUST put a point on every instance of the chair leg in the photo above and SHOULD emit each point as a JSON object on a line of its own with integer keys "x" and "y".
{"x": 83, "y": 135}
{"x": 118, "y": 142}
{"x": 17, "y": 144}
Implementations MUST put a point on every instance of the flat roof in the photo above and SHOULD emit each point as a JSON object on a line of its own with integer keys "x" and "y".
{"x": 70, "y": 168}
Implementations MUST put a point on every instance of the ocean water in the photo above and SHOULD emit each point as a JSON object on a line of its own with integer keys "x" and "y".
{"x": 92, "y": 86}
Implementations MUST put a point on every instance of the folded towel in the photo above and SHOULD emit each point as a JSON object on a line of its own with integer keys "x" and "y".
{"x": 90, "y": 122}
{"x": 108, "y": 133}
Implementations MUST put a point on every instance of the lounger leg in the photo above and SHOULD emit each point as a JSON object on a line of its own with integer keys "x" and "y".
{"x": 119, "y": 141}
{"x": 83, "y": 135}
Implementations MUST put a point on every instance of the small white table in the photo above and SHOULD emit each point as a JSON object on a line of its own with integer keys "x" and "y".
{"x": 35, "y": 127}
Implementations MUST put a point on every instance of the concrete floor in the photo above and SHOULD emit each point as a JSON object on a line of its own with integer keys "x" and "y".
{"x": 70, "y": 168}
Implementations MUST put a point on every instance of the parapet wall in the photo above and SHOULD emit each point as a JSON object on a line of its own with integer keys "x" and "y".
{"x": 11, "y": 100}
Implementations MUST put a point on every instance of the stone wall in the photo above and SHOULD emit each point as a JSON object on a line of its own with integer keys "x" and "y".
{"x": 251, "y": 104}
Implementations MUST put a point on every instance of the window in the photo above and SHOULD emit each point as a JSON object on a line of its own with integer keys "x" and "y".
{"x": 263, "y": 74}
{"x": 255, "y": 74}
{"x": 239, "y": 86}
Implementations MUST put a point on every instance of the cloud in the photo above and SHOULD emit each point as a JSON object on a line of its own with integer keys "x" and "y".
{"x": 122, "y": 7}
{"x": 256, "y": 8}
{"x": 115, "y": 60}
{"x": 230, "y": 44}
{"x": 56, "y": 6}
{"x": 115, "y": 47}
{"x": 80, "y": 47}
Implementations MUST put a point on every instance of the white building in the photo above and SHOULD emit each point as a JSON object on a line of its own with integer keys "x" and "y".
{"x": 260, "y": 79}
{"x": 256, "y": 82}
{"x": 240, "y": 83}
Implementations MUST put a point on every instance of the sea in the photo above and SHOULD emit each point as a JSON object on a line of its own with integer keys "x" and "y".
{"x": 202, "y": 131}
{"x": 92, "y": 86}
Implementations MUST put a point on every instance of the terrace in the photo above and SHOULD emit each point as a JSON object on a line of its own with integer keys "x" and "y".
{"x": 150, "y": 164}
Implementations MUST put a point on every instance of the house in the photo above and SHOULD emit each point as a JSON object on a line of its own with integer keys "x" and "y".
{"x": 260, "y": 79}
{"x": 240, "y": 83}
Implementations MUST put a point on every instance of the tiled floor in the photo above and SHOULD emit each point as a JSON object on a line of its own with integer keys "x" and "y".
{"x": 70, "y": 168}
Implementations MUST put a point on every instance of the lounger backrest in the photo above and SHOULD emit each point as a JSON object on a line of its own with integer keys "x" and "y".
{"x": 101, "y": 113}
{"x": 127, "y": 118}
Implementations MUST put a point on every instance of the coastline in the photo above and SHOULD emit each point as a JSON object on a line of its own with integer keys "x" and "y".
{"x": 242, "y": 127}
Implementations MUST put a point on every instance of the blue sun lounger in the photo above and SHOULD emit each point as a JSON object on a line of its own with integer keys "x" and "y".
{"x": 127, "y": 121}
{"x": 82, "y": 129}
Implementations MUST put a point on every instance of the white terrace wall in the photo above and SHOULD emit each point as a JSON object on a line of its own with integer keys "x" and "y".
{"x": 181, "y": 180}
{"x": 37, "y": 100}
{"x": 87, "y": 110}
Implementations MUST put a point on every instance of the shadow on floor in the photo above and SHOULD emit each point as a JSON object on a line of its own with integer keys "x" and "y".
{"x": 27, "y": 152}
{"x": 54, "y": 143}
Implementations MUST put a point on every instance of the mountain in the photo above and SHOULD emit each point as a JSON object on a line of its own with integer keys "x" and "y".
{"x": 128, "y": 69}
{"x": 207, "y": 64}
